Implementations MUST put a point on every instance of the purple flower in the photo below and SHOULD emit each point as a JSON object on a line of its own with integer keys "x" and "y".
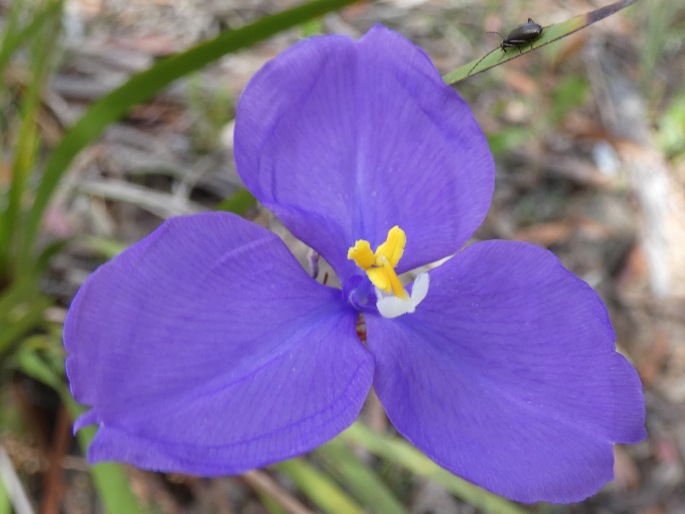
{"x": 207, "y": 349}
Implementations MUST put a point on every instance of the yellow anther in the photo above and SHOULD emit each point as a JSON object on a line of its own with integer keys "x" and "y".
{"x": 393, "y": 248}
{"x": 361, "y": 254}
{"x": 380, "y": 266}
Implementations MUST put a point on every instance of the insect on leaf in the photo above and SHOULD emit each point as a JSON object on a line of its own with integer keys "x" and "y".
{"x": 516, "y": 48}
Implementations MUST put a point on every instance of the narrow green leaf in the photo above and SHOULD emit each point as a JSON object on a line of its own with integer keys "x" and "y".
{"x": 111, "y": 481}
{"x": 270, "y": 504}
{"x": 146, "y": 84}
{"x": 29, "y": 362}
{"x": 26, "y": 143}
{"x": 47, "y": 253}
{"x": 318, "y": 487}
{"x": 20, "y": 320}
{"x": 5, "y": 505}
{"x": 104, "y": 246}
{"x": 362, "y": 482}
{"x": 549, "y": 34}
{"x": 14, "y": 39}
{"x": 22, "y": 308}
{"x": 17, "y": 293}
{"x": 401, "y": 453}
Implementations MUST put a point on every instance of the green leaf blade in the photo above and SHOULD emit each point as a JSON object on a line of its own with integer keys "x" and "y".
{"x": 358, "y": 478}
{"x": 549, "y": 34}
{"x": 403, "y": 454}
{"x": 327, "y": 496}
{"x": 146, "y": 84}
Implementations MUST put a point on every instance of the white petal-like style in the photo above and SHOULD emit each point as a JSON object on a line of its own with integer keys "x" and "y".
{"x": 390, "y": 306}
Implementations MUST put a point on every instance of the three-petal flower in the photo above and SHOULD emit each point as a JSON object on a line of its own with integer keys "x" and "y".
{"x": 207, "y": 349}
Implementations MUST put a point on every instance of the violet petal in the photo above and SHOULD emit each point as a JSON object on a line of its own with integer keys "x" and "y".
{"x": 342, "y": 140}
{"x": 507, "y": 375}
{"x": 206, "y": 349}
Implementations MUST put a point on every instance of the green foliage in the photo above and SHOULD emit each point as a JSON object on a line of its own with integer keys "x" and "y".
{"x": 5, "y": 505}
{"x": 365, "y": 485}
{"x": 270, "y": 504}
{"x": 671, "y": 136}
{"x": 318, "y": 487}
{"x": 35, "y": 37}
{"x": 146, "y": 84}
{"x": 22, "y": 309}
{"x": 15, "y": 35}
{"x": 662, "y": 23}
{"x": 508, "y": 138}
{"x": 20, "y": 261}
{"x": 403, "y": 454}
{"x": 569, "y": 94}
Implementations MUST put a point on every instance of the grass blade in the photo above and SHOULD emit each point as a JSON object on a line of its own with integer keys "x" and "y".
{"x": 327, "y": 496}
{"x": 16, "y": 38}
{"x": 550, "y": 33}
{"x": 27, "y": 139}
{"x": 111, "y": 481}
{"x": 401, "y": 453}
{"x": 22, "y": 308}
{"x": 5, "y": 505}
{"x": 146, "y": 84}
{"x": 362, "y": 482}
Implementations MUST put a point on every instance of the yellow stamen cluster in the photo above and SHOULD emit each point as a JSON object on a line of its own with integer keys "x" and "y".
{"x": 380, "y": 265}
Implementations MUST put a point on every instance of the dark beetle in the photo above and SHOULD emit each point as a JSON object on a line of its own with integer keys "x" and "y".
{"x": 526, "y": 33}
{"x": 520, "y": 36}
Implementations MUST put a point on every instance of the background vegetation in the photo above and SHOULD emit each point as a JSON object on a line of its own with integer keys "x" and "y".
{"x": 115, "y": 115}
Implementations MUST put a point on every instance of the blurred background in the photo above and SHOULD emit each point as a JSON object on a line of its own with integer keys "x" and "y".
{"x": 589, "y": 138}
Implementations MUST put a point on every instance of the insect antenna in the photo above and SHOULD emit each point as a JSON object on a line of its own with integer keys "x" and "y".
{"x": 481, "y": 60}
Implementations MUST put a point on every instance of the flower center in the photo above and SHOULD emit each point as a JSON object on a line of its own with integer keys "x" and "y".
{"x": 392, "y": 299}
{"x": 380, "y": 265}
